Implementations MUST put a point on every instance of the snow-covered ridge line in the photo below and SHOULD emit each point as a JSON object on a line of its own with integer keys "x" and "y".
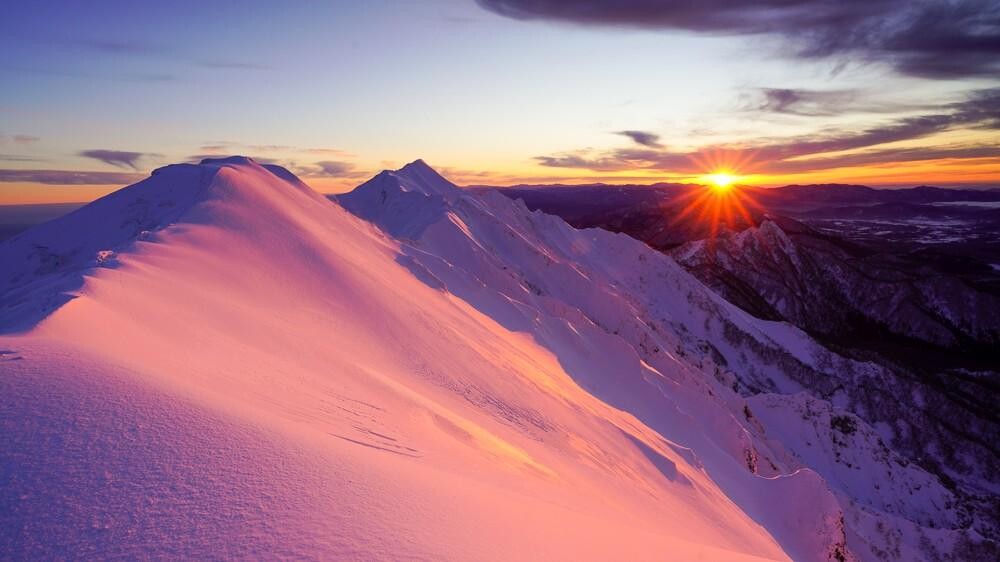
{"x": 262, "y": 316}
{"x": 445, "y": 374}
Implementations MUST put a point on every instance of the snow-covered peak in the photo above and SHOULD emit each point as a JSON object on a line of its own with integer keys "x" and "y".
{"x": 418, "y": 175}
{"x": 51, "y": 259}
{"x": 415, "y": 177}
{"x": 403, "y": 201}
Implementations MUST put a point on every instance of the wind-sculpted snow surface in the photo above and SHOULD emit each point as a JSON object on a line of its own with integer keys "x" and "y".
{"x": 219, "y": 362}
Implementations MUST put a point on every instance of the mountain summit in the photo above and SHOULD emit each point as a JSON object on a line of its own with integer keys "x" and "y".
{"x": 50, "y": 262}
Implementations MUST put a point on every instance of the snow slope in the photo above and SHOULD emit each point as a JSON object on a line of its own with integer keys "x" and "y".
{"x": 246, "y": 370}
{"x": 218, "y": 362}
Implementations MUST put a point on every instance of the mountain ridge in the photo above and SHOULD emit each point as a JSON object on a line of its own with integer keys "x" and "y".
{"x": 418, "y": 337}
{"x": 284, "y": 322}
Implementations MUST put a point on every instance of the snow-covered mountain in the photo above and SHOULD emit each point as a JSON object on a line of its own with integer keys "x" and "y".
{"x": 218, "y": 362}
{"x": 624, "y": 289}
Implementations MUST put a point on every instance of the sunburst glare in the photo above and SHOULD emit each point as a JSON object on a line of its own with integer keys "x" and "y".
{"x": 721, "y": 180}
{"x": 721, "y": 202}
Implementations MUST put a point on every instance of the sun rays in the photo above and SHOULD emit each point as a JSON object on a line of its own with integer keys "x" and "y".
{"x": 721, "y": 200}
{"x": 718, "y": 205}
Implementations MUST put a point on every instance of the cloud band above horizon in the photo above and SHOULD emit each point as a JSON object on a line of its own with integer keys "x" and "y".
{"x": 925, "y": 38}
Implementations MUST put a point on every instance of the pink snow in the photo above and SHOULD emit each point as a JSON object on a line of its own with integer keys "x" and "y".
{"x": 259, "y": 374}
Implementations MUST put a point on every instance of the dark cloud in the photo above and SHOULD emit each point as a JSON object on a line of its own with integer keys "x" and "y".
{"x": 119, "y": 158}
{"x": 644, "y": 138}
{"x": 26, "y": 139}
{"x": 929, "y": 38}
{"x": 69, "y": 177}
{"x": 980, "y": 111}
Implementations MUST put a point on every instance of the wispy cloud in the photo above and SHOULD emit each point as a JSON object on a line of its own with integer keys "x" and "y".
{"x": 18, "y": 158}
{"x": 326, "y": 151}
{"x": 980, "y": 111}
{"x": 886, "y": 156}
{"x": 269, "y": 147}
{"x": 74, "y": 73}
{"x": 120, "y": 46}
{"x": 231, "y": 65}
{"x": 141, "y": 48}
{"x": 336, "y": 169}
{"x": 609, "y": 162}
{"x": 233, "y": 147}
{"x": 321, "y": 169}
{"x": 825, "y": 103}
{"x": 25, "y": 140}
{"x": 805, "y": 102}
{"x": 68, "y": 177}
{"x": 214, "y": 148}
{"x": 198, "y": 158}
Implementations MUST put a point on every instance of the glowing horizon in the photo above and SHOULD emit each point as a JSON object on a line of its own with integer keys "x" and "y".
{"x": 96, "y": 98}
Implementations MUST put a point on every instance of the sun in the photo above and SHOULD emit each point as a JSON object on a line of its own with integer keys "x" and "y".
{"x": 718, "y": 203}
{"x": 721, "y": 181}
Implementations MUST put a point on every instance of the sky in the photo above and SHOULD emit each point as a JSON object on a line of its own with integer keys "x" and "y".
{"x": 881, "y": 92}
